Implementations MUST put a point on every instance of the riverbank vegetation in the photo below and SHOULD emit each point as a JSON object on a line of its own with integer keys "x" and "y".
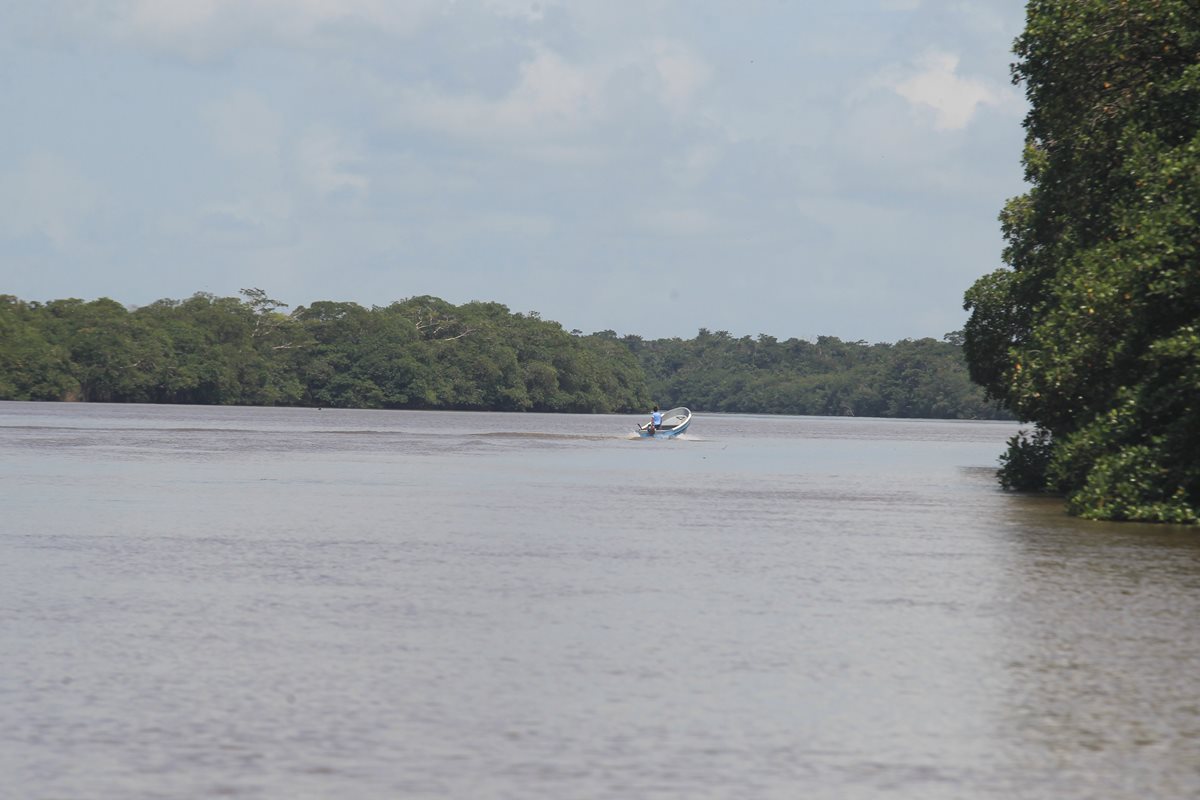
{"x": 419, "y": 353}
{"x": 1092, "y": 331}
{"x": 425, "y": 353}
{"x": 911, "y": 378}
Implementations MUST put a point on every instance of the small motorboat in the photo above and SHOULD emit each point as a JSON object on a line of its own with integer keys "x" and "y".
{"x": 674, "y": 422}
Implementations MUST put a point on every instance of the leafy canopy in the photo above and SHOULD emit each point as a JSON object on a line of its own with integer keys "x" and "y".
{"x": 423, "y": 352}
{"x": 1093, "y": 329}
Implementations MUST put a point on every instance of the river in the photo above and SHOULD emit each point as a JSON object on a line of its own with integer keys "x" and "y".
{"x": 267, "y": 603}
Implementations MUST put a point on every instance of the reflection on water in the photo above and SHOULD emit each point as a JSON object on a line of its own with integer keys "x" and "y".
{"x": 297, "y": 603}
{"x": 1101, "y": 651}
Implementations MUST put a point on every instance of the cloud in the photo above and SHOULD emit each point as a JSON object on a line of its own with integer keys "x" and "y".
{"x": 551, "y": 97}
{"x": 329, "y": 165}
{"x": 681, "y": 74}
{"x": 245, "y": 126}
{"x": 46, "y": 197}
{"x": 532, "y": 10}
{"x": 531, "y": 226}
{"x": 677, "y": 221}
{"x": 933, "y": 83}
{"x": 249, "y": 220}
{"x": 201, "y": 29}
{"x": 692, "y": 165}
{"x": 414, "y": 143}
{"x": 556, "y": 109}
{"x": 985, "y": 20}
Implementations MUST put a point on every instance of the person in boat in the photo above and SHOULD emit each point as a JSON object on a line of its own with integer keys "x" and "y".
{"x": 655, "y": 420}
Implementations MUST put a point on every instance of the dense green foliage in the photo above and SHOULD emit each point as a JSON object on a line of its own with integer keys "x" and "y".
{"x": 716, "y": 372}
{"x": 1023, "y": 466}
{"x": 1093, "y": 330}
{"x": 418, "y": 353}
{"x": 426, "y": 353}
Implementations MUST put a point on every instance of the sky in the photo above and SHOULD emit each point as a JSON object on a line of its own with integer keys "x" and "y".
{"x": 790, "y": 168}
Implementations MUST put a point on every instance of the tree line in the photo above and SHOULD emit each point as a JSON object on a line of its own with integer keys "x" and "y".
{"x": 426, "y": 353}
{"x": 830, "y": 377}
{"x": 1092, "y": 329}
{"x": 417, "y": 353}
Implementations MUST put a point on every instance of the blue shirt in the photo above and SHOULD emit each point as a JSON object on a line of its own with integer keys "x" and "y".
{"x": 656, "y": 418}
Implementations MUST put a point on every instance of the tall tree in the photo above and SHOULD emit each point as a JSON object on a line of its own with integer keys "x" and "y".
{"x": 1093, "y": 329}
{"x": 31, "y": 366}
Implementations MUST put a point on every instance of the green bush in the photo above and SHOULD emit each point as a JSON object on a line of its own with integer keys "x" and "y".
{"x": 1091, "y": 332}
{"x": 1132, "y": 484}
{"x": 1023, "y": 467}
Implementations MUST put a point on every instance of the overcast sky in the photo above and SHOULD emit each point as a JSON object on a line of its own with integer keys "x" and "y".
{"x": 653, "y": 167}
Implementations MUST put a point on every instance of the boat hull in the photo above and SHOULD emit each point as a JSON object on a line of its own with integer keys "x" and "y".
{"x": 675, "y": 422}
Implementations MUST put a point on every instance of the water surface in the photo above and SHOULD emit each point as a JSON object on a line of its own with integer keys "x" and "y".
{"x": 202, "y": 602}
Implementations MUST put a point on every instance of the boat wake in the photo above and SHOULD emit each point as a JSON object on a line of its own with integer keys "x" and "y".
{"x": 683, "y": 437}
{"x": 545, "y": 435}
